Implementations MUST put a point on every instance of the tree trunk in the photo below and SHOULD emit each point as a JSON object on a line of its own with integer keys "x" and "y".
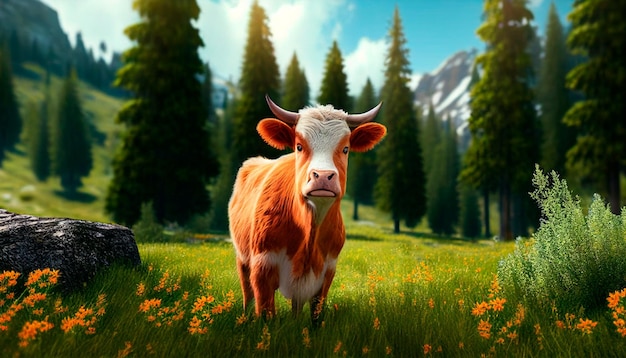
{"x": 614, "y": 188}
{"x": 355, "y": 212}
{"x": 506, "y": 233}
{"x": 486, "y": 211}
{"x": 396, "y": 226}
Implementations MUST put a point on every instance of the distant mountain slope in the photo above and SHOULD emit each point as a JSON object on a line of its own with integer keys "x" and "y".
{"x": 447, "y": 88}
{"x": 35, "y": 21}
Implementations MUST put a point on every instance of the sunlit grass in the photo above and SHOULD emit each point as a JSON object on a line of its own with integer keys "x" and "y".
{"x": 398, "y": 295}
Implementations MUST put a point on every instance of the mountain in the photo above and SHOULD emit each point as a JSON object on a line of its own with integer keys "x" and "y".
{"x": 447, "y": 89}
{"x": 33, "y": 34}
{"x": 33, "y": 22}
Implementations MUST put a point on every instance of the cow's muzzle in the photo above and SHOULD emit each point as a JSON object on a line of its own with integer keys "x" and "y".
{"x": 322, "y": 183}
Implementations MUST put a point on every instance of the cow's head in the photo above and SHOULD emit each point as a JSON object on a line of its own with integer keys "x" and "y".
{"x": 321, "y": 137}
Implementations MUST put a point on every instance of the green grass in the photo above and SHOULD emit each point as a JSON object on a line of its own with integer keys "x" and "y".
{"x": 392, "y": 294}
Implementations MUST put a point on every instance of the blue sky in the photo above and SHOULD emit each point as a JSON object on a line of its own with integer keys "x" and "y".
{"x": 435, "y": 29}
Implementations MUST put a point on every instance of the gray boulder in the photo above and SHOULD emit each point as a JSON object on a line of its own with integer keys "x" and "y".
{"x": 78, "y": 249}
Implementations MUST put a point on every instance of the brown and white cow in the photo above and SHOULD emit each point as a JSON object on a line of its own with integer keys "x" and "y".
{"x": 285, "y": 218}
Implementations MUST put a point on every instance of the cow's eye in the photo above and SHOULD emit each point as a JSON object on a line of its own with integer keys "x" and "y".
{"x": 345, "y": 150}
{"x": 299, "y": 147}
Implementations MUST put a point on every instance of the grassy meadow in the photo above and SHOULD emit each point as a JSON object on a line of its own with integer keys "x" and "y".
{"x": 398, "y": 295}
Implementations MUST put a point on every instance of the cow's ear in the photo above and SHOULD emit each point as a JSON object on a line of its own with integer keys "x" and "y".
{"x": 366, "y": 136}
{"x": 276, "y": 133}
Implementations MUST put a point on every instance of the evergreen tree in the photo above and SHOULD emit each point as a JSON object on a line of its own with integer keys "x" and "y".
{"x": 224, "y": 184}
{"x": 362, "y": 169}
{"x": 72, "y": 159}
{"x": 478, "y": 179}
{"x": 441, "y": 186}
{"x": 259, "y": 77}
{"x": 166, "y": 155}
{"x": 207, "y": 94}
{"x": 553, "y": 97}
{"x": 295, "y": 87}
{"x": 400, "y": 186}
{"x": 10, "y": 119}
{"x": 39, "y": 141}
{"x": 431, "y": 136}
{"x": 599, "y": 32}
{"x": 503, "y": 120}
{"x": 334, "y": 88}
{"x": 470, "y": 212}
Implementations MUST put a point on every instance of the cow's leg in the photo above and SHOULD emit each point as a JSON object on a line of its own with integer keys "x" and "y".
{"x": 244, "y": 279}
{"x": 317, "y": 302}
{"x": 265, "y": 281}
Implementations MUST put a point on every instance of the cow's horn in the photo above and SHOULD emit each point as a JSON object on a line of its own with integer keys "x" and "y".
{"x": 282, "y": 114}
{"x": 354, "y": 120}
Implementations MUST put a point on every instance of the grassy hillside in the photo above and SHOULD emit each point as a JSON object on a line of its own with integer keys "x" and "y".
{"x": 21, "y": 192}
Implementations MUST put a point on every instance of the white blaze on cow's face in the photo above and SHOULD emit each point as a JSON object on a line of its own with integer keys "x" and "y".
{"x": 322, "y": 146}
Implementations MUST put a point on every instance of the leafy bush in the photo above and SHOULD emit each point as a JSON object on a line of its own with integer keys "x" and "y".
{"x": 148, "y": 229}
{"x": 573, "y": 260}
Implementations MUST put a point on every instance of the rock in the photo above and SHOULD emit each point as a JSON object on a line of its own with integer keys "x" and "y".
{"x": 78, "y": 249}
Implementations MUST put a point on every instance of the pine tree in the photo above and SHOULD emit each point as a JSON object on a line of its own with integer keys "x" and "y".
{"x": 441, "y": 186}
{"x": 295, "y": 88}
{"x": 599, "y": 32}
{"x": 72, "y": 159}
{"x": 477, "y": 179}
{"x": 503, "y": 119}
{"x": 362, "y": 169}
{"x": 553, "y": 97}
{"x": 207, "y": 94}
{"x": 166, "y": 156}
{"x": 400, "y": 186}
{"x": 431, "y": 136}
{"x": 334, "y": 88}
{"x": 10, "y": 119}
{"x": 469, "y": 218}
{"x": 39, "y": 141}
{"x": 259, "y": 77}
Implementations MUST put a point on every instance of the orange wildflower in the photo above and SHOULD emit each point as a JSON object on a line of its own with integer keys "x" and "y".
{"x": 484, "y": 329}
{"x": 31, "y": 329}
{"x": 306, "y": 340}
{"x": 141, "y": 289}
{"x": 497, "y": 304}
{"x": 146, "y": 305}
{"x": 266, "y": 337}
{"x": 337, "y": 347}
{"x": 586, "y": 325}
{"x": 201, "y": 302}
{"x": 427, "y": 349}
{"x": 376, "y": 323}
{"x": 480, "y": 308}
{"x": 33, "y": 298}
{"x": 614, "y": 299}
{"x": 241, "y": 319}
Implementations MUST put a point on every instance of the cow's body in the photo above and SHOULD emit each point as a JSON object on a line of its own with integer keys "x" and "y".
{"x": 285, "y": 218}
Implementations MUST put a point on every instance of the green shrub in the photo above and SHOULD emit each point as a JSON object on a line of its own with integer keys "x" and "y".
{"x": 148, "y": 229}
{"x": 573, "y": 260}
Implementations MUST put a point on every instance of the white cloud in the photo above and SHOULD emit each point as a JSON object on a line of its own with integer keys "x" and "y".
{"x": 533, "y": 4}
{"x": 367, "y": 60}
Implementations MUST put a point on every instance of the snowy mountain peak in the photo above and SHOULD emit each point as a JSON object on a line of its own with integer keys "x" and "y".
{"x": 447, "y": 88}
